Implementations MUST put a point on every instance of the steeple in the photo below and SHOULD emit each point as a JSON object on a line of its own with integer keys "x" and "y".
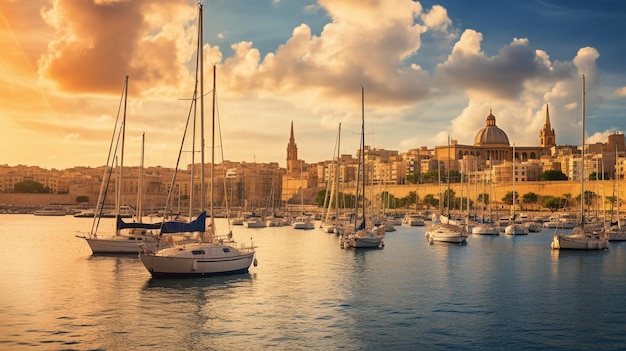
{"x": 292, "y": 152}
{"x": 547, "y": 137}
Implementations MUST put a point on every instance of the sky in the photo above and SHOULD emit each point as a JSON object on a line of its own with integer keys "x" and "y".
{"x": 429, "y": 70}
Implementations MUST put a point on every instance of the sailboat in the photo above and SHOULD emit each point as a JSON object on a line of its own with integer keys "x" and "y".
{"x": 128, "y": 236}
{"x": 331, "y": 201}
{"x": 363, "y": 235}
{"x": 582, "y": 239}
{"x": 210, "y": 255}
{"x": 486, "y": 226}
{"x": 514, "y": 228}
{"x": 616, "y": 232}
{"x": 445, "y": 229}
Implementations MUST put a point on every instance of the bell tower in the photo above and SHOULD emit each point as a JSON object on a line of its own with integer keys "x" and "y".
{"x": 547, "y": 138}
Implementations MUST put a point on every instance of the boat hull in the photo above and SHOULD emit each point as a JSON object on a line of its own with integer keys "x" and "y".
{"x": 260, "y": 224}
{"x": 329, "y": 228}
{"x": 616, "y": 234}
{"x": 121, "y": 245}
{"x": 303, "y": 225}
{"x": 516, "y": 229}
{"x": 447, "y": 233}
{"x": 365, "y": 239}
{"x": 180, "y": 263}
{"x": 485, "y": 230}
{"x": 578, "y": 242}
{"x": 366, "y": 242}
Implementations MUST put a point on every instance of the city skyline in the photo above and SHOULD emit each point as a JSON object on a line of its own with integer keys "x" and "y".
{"x": 429, "y": 70}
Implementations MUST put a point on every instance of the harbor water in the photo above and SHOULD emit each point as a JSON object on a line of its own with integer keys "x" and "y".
{"x": 494, "y": 293}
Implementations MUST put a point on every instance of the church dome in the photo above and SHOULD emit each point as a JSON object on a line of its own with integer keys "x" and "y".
{"x": 490, "y": 133}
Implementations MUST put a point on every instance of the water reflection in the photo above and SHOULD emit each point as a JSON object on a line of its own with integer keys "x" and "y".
{"x": 213, "y": 282}
{"x": 307, "y": 293}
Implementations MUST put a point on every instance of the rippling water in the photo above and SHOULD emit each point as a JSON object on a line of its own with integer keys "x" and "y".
{"x": 495, "y": 293}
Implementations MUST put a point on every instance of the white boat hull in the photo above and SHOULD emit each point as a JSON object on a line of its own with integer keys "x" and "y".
{"x": 121, "y": 244}
{"x": 616, "y": 233}
{"x": 366, "y": 242}
{"x": 485, "y": 230}
{"x": 260, "y": 224}
{"x": 303, "y": 225}
{"x": 578, "y": 242}
{"x": 329, "y": 228}
{"x": 516, "y": 229}
{"x": 448, "y": 233}
{"x": 366, "y": 239}
{"x": 197, "y": 260}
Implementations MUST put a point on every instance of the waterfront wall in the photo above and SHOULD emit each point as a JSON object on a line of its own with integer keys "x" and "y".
{"x": 541, "y": 189}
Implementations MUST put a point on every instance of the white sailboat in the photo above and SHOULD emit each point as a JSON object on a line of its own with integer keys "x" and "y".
{"x": 302, "y": 221}
{"x": 211, "y": 255}
{"x": 582, "y": 239}
{"x": 331, "y": 201}
{"x": 128, "y": 236}
{"x": 514, "y": 228}
{"x": 444, "y": 229}
{"x": 617, "y": 232}
{"x": 363, "y": 235}
{"x": 486, "y": 226}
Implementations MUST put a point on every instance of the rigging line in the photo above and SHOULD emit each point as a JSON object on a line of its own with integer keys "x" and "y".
{"x": 102, "y": 196}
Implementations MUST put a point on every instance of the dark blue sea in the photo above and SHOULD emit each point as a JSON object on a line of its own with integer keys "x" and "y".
{"x": 494, "y": 293}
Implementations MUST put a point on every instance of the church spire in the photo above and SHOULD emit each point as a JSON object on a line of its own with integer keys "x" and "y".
{"x": 547, "y": 137}
{"x": 292, "y": 152}
{"x": 546, "y": 123}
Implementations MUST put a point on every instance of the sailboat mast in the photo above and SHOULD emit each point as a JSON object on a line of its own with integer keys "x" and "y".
{"x": 213, "y": 142}
{"x": 582, "y": 165}
{"x": 139, "y": 214}
{"x": 119, "y": 181}
{"x": 513, "y": 194}
{"x": 337, "y": 170}
{"x": 448, "y": 177}
{"x": 363, "y": 150}
{"x": 201, "y": 69}
{"x": 617, "y": 175}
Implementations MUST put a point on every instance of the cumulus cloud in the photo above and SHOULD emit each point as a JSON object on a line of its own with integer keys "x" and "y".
{"x": 502, "y": 76}
{"x": 98, "y": 42}
{"x": 621, "y": 92}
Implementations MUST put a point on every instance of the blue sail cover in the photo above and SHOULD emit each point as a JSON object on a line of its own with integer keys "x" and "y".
{"x": 197, "y": 225}
{"x": 362, "y": 225}
{"x": 123, "y": 225}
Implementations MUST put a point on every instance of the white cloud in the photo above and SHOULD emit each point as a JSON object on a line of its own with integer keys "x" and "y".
{"x": 621, "y": 92}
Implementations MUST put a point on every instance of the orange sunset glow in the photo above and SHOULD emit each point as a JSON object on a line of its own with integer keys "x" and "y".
{"x": 428, "y": 72}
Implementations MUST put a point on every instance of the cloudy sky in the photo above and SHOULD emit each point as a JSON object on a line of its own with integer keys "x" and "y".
{"x": 429, "y": 69}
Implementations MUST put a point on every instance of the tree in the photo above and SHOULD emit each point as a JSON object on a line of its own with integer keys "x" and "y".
{"x": 30, "y": 186}
{"x": 390, "y": 201}
{"x": 319, "y": 198}
{"x": 529, "y": 198}
{"x": 553, "y": 175}
{"x": 448, "y": 198}
{"x": 554, "y": 203}
{"x": 413, "y": 178}
{"x": 460, "y": 203}
{"x": 508, "y": 198}
{"x": 430, "y": 201}
{"x": 430, "y": 176}
{"x": 589, "y": 197}
{"x": 483, "y": 198}
{"x": 455, "y": 176}
{"x": 567, "y": 197}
